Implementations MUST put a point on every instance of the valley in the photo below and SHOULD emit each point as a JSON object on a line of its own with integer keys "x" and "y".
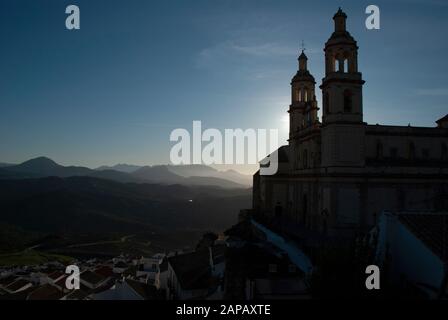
{"x": 89, "y": 216}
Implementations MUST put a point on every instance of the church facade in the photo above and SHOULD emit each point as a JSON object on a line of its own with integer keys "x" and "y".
{"x": 337, "y": 175}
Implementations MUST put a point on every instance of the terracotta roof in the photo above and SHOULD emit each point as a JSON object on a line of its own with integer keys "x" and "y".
{"x": 105, "y": 271}
{"x": 55, "y": 275}
{"x": 91, "y": 277}
{"x": 46, "y": 292}
{"x": 431, "y": 229}
{"x": 61, "y": 282}
{"x": 21, "y": 295}
{"x": 18, "y": 284}
{"x": 8, "y": 280}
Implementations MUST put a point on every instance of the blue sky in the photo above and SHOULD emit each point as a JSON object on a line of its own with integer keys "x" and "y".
{"x": 113, "y": 91}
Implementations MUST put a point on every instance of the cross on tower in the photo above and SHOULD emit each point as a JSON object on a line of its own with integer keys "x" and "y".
{"x": 303, "y": 46}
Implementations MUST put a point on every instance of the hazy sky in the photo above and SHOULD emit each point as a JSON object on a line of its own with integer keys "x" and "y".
{"x": 113, "y": 91}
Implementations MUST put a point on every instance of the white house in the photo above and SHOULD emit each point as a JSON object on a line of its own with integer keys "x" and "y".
{"x": 162, "y": 276}
{"x": 150, "y": 267}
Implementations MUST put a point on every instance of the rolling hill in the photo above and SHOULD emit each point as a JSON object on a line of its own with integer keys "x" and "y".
{"x": 165, "y": 172}
{"x": 91, "y": 205}
{"x": 164, "y": 175}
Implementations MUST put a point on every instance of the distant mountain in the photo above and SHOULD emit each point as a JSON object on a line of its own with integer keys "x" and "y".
{"x": 195, "y": 170}
{"x": 45, "y": 167}
{"x": 160, "y": 174}
{"x": 236, "y": 177}
{"x": 165, "y": 174}
{"x": 127, "y": 168}
{"x": 212, "y": 181}
{"x": 206, "y": 171}
{"x": 195, "y": 175}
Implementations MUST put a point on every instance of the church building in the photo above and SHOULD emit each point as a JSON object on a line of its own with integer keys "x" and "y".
{"x": 338, "y": 174}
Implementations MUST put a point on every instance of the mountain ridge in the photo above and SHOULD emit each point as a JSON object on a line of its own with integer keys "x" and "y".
{"x": 122, "y": 167}
{"x": 163, "y": 174}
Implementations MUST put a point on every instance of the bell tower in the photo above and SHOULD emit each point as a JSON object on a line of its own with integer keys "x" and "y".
{"x": 303, "y": 108}
{"x": 343, "y": 129}
{"x": 342, "y": 85}
{"x": 302, "y": 113}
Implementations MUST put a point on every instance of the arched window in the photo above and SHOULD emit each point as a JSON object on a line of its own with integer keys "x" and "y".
{"x": 306, "y": 95}
{"x": 351, "y": 63}
{"x": 299, "y": 95}
{"x": 341, "y": 65}
{"x": 341, "y": 62}
{"x": 348, "y": 101}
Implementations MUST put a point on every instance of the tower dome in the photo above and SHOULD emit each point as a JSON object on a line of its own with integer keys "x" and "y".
{"x": 342, "y": 85}
{"x": 303, "y": 74}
